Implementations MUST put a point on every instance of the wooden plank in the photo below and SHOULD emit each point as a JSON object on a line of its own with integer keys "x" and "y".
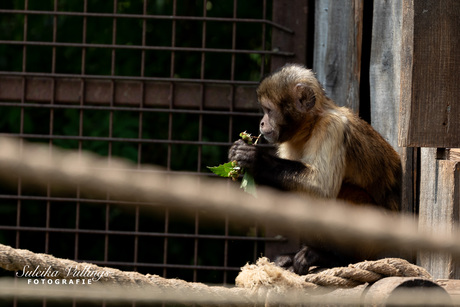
{"x": 454, "y": 154}
{"x": 293, "y": 15}
{"x": 430, "y": 112}
{"x": 384, "y": 79}
{"x": 385, "y": 69}
{"x": 439, "y": 209}
{"x": 410, "y": 169}
{"x": 390, "y": 291}
{"x": 337, "y": 50}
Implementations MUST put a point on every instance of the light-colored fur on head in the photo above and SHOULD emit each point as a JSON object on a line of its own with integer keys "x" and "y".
{"x": 274, "y": 85}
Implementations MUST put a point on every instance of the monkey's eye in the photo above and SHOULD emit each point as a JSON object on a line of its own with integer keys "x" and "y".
{"x": 266, "y": 110}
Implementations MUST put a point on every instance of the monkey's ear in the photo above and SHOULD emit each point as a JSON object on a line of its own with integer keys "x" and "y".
{"x": 305, "y": 96}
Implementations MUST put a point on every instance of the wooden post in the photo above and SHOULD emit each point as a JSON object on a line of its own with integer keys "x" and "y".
{"x": 393, "y": 291}
{"x": 385, "y": 69}
{"x": 337, "y": 50}
{"x": 430, "y": 115}
{"x": 439, "y": 206}
{"x": 384, "y": 79}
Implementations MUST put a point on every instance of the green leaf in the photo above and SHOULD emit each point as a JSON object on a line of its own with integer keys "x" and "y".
{"x": 248, "y": 184}
{"x": 223, "y": 169}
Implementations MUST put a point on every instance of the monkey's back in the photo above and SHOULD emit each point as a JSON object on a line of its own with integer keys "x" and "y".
{"x": 372, "y": 163}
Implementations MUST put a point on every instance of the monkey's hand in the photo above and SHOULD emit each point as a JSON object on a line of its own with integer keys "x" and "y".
{"x": 245, "y": 155}
{"x": 267, "y": 169}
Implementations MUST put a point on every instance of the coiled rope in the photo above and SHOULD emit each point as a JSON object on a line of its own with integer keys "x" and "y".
{"x": 265, "y": 273}
{"x": 12, "y": 259}
{"x": 252, "y": 277}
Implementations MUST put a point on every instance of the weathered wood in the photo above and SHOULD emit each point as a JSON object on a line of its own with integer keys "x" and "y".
{"x": 430, "y": 112}
{"x": 399, "y": 291}
{"x": 384, "y": 79}
{"x": 409, "y": 179}
{"x": 452, "y": 154}
{"x": 385, "y": 69}
{"x": 337, "y": 50}
{"x": 439, "y": 209}
{"x": 389, "y": 291}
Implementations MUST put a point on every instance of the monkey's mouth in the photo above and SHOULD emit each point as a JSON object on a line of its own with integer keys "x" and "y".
{"x": 269, "y": 136}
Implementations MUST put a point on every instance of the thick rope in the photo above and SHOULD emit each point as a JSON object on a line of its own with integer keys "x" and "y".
{"x": 263, "y": 274}
{"x": 367, "y": 272}
{"x": 12, "y": 259}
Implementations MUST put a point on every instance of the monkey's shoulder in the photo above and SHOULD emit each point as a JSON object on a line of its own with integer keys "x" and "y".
{"x": 317, "y": 142}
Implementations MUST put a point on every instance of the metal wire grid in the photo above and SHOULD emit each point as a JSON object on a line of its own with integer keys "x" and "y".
{"x": 45, "y": 221}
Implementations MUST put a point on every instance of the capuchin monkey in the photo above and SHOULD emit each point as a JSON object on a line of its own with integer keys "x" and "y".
{"x": 323, "y": 151}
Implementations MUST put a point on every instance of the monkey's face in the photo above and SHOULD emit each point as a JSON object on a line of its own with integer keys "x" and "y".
{"x": 286, "y": 114}
{"x": 289, "y": 102}
{"x": 270, "y": 124}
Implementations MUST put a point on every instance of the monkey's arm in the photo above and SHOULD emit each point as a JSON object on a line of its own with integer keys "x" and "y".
{"x": 319, "y": 171}
{"x": 283, "y": 174}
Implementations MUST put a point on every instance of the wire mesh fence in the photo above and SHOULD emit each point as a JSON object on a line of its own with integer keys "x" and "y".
{"x": 170, "y": 83}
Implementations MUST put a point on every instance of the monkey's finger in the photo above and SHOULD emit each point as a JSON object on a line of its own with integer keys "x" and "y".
{"x": 241, "y": 152}
{"x": 244, "y": 159}
{"x": 239, "y": 145}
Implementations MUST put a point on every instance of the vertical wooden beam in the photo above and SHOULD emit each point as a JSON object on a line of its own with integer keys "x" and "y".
{"x": 385, "y": 69}
{"x": 430, "y": 115}
{"x": 384, "y": 79}
{"x": 439, "y": 209}
{"x": 337, "y": 50}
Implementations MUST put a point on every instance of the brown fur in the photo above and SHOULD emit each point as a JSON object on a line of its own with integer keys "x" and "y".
{"x": 323, "y": 151}
{"x": 334, "y": 141}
